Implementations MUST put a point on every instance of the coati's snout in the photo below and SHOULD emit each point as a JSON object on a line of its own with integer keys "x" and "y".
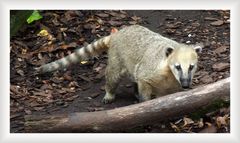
{"x": 185, "y": 83}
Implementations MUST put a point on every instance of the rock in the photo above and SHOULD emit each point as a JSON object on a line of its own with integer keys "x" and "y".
{"x": 217, "y": 23}
{"x": 220, "y": 66}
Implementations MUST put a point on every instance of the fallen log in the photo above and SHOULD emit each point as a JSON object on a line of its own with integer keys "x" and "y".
{"x": 123, "y": 118}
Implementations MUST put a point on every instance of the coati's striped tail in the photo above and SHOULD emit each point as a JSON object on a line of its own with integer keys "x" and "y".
{"x": 83, "y": 53}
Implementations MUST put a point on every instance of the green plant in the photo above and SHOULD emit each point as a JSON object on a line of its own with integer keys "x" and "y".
{"x": 34, "y": 17}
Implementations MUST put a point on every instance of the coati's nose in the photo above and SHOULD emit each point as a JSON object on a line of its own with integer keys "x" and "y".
{"x": 185, "y": 86}
{"x": 185, "y": 83}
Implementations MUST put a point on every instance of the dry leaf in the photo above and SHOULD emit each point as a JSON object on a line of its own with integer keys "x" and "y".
{"x": 43, "y": 33}
{"x": 217, "y": 23}
{"x": 94, "y": 95}
{"x": 115, "y": 23}
{"x": 175, "y": 127}
{"x": 20, "y": 72}
{"x": 71, "y": 98}
{"x": 221, "y": 49}
{"x": 208, "y": 124}
{"x": 136, "y": 18}
{"x": 210, "y": 18}
{"x": 103, "y": 15}
{"x": 27, "y": 111}
{"x": 178, "y": 121}
{"x": 38, "y": 108}
{"x": 221, "y": 121}
{"x": 187, "y": 121}
{"x": 84, "y": 62}
{"x": 200, "y": 123}
{"x": 220, "y": 66}
{"x": 132, "y": 22}
{"x": 114, "y": 30}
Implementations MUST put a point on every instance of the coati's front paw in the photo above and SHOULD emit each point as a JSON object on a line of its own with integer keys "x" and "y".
{"x": 137, "y": 96}
{"x": 108, "y": 98}
{"x": 143, "y": 98}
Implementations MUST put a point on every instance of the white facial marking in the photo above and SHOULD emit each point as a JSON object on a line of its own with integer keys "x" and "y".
{"x": 177, "y": 64}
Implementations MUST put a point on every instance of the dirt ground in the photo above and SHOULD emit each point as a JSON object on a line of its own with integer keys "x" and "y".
{"x": 80, "y": 88}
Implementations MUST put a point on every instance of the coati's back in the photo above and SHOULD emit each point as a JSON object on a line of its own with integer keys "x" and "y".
{"x": 136, "y": 44}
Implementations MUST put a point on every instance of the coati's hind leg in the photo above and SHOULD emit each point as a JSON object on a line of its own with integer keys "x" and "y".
{"x": 113, "y": 75}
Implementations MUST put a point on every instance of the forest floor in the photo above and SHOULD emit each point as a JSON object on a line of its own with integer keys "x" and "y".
{"x": 80, "y": 88}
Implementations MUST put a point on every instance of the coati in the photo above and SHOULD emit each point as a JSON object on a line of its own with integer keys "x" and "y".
{"x": 158, "y": 65}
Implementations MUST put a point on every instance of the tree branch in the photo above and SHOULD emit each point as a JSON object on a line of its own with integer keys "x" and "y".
{"x": 123, "y": 118}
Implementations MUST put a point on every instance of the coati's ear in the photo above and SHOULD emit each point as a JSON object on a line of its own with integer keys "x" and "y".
{"x": 198, "y": 48}
{"x": 169, "y": 50}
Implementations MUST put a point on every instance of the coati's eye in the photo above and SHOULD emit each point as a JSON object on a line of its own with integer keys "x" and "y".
{"x": 178, "y": 67}
{"x": 191, "y": 67}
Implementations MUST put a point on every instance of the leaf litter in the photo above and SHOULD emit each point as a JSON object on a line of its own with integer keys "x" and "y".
{"x": 80, "y": 88}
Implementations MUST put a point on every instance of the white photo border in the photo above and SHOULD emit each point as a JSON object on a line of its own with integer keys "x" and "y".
{"x": 7, "y": 5}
